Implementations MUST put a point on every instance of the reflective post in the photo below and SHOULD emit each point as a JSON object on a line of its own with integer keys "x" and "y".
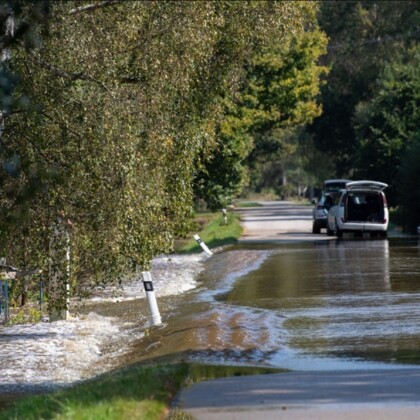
{"x": 224, "y": 216}
{"x": 203, "y": 245}
{"x": 155, "y": 318}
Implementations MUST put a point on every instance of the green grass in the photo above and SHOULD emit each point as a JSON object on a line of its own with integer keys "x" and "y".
{"x": 138, "y": 392}
{"x": 142, "y": 392}
{"x": 244, "y": 204}
{"x": 213, "y": 232}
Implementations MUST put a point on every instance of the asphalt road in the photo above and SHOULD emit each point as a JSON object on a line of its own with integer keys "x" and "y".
{"x": 316, "y": 395}
{"x": 369, "y": 394}
{"x": 278, "y": 221}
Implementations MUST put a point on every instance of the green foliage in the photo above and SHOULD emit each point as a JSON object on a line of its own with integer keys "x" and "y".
{"x": 280, "y": 90}
{"x": 122, "y": 101}
{"x": 20, "y": 23}
{"x": 25, "y": 316}
{"x": 284, "y": 82}
{"x": 364, "y": 35}
{"x": 282, "y": 95}
{"x": 386, "y": 124}
{"x": 408, "y": 184}
{"x": 120, "y": 106}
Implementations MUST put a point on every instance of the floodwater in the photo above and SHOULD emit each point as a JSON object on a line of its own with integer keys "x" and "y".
{"x": 96, "y": 339}
{"x": 346, "y": 304}
{"x": 336, "y": 304}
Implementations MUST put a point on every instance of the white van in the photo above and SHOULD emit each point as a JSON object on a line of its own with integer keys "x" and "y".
{"x": 361, "y": 207}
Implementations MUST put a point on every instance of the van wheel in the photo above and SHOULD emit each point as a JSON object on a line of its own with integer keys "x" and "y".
{"x": 315, "y": 228}
{"x": 383, "y": 235}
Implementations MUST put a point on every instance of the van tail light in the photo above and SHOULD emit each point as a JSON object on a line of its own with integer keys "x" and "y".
{"x": 385, "y": 205}
{"x": 384, "y": 200}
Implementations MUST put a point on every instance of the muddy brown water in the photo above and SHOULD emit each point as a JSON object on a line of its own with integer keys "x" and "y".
{"x": 316, "y": 305}
{"x": 342, "y": 304}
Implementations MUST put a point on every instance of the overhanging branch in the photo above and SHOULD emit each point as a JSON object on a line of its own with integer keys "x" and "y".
{"x": 66, "y": 75}
{"x": 92, "y": 6}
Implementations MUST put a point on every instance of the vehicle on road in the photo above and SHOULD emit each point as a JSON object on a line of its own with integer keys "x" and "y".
{"x": 360, "y": 207}
{"x": 334, "y": 185}
{"x": 331, "y": 188}
{"x": 320, "y": 211}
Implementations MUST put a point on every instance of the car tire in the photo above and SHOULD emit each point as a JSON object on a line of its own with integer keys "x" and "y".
{"x": 383, "y": 235}
{"x": 315, "y": 228}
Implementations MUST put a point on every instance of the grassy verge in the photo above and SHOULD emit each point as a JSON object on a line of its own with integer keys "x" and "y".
{"x": 213, "y": 231}
{"x": 140, "y": 392}
{"x": 244, "y": 204}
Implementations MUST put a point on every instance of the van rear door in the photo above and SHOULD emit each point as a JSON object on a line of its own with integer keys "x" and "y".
{"x": 366, "y": 185}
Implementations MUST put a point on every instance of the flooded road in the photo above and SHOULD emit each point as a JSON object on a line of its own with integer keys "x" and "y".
{"x": 296, "y": 300}
{"x": 327, "y": 305}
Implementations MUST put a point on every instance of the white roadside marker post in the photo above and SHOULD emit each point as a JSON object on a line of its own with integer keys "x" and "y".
{"x": 203, "y": 245}
{"x": 155, "y": 318}
{"x": 224, "y": 216}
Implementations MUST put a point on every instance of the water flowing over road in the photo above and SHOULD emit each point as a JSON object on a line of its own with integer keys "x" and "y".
{"x": 283, "y": 297}
{"x": 98, "y": 336}
{"x": 342, "y": 314}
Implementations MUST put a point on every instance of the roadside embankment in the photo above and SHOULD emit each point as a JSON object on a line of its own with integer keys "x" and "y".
{"x": 63, "y": 351}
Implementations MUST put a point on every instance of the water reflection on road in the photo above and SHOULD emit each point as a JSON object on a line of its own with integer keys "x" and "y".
{"x": 332, "y": 304}
{"x": 327, "y": 304}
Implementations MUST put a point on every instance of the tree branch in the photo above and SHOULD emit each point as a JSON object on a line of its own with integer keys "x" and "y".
{"x": 72, "y": 76}
{"x": 93, "y": 6}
